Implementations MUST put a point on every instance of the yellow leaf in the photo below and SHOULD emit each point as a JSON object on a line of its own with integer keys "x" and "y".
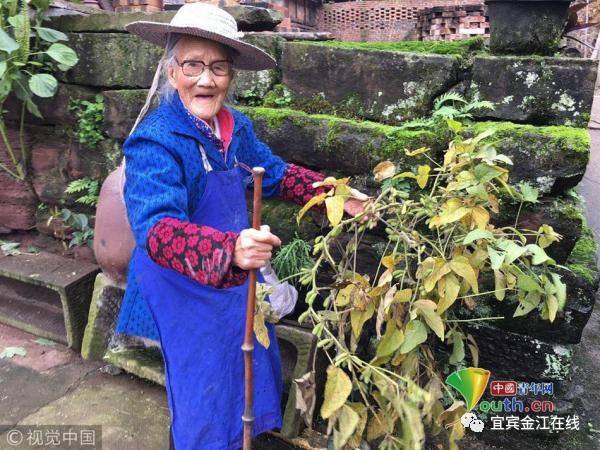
{"x": 552, "y": 305}
{"x": 385, "y": 277}
{"x": 403, "y": 296}
{"x": 416, "y": 152}
{"x": 450, "y": 155}
{"x": 481, "y": 217}
{"x": 362, "y": 411}
{"x": 439, "y": 270}
{"x": 346, "y": 425}
{"x": 337, "y": 389}
{"x": 423, "y": 176}
{"x": 316, "y": 200}
{"x": 460, "y": 266}
{"x": 378, "y": 426}
{"x": 260, "y": 329}
{"x": 358, "y": 318}
{"x": 343, "y": 296}
{"x": 335, "y": 209}
{"x": 330, "y": 181}
{"x": 434, "y": 321}
{"x": 424, "y": 303}
{"x": 405, "y": 175}
{"x": 389, "y": 262}
{"x": 500, "y": 285}
{"x": 449, "y": 288}
{"x": 384, "y": 170}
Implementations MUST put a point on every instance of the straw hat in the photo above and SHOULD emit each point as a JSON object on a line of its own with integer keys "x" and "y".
{"x": 209, "y": 22}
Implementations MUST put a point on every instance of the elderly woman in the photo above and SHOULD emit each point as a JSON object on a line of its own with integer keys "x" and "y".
{"x": 185, "y": 199}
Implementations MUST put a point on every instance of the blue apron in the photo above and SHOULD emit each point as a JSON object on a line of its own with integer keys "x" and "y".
{"x": 201, "y": 331}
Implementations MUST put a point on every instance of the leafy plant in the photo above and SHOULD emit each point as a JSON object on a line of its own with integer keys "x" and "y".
{"x": 450, "y": 105}
{"x": 292, "y": 258}
{"x": 442, "y": 254}
{"x": 73, "y": 228}
{"x": 88, "y": 187}
{"x": 90, "y": 118}
{"x": 279, "y": 97}
{"x": 29, "y": 53}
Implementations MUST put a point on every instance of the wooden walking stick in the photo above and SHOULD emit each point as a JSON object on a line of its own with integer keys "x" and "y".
{"x": 248, "y": 346}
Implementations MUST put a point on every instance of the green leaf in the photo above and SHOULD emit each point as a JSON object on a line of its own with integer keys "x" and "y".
{"x": 62, "y": 54}
{"x": 552, "y": 306}
{"x": 9, "y": 352}
{"x": 539, "y": 256}
{"x": 392, "y": 339}
{"x": 475, "y": 235}
{"x": 513, "y": 251}
{"x": 33, "y": 109}
{"x": 434, "y": 321}
{"x": 50, "y": 35}
{"x": 45, "y": 342}
{"x": 461, "y": 266}
{"x": 414, "y": 335}
{"x": 7, "y": 43}
{"x": 337, "y": 389}
{"x": 496, "y": 258}
{"x": 3, "y": 67}
{"x": 17, "y": 21}
{"x": 43, "y": 85}
{"x": 528, "y": 304}
{"x": 528, "y": 192}
{"x": 528, "y": 284}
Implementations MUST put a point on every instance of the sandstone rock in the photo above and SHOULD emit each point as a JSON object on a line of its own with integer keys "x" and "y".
{"x": 381, "y": 85}
{"x": 536, "y": 90}
{"x": 121, "y": 108}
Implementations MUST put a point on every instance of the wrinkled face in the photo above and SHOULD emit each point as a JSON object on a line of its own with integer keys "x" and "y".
{"x": 202, "y": 95}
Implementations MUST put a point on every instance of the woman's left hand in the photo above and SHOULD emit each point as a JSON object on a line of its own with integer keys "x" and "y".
{"x": 354, "y": 207}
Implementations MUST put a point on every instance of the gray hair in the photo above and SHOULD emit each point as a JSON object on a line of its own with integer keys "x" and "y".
{"x": 160, "y": 83}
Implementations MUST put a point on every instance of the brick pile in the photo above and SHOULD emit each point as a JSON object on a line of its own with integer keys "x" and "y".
{"x": 447, "y": 23}
{"x": 377, "y": 20}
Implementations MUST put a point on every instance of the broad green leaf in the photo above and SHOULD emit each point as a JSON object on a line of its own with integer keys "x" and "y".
{"x": 403, "y": 295}
{"x": 538, "y": 254}
{"x": 496, "y": 258}
{"x": 17, "y": 21}
{"x": 346, "y": 425}
{"x": 528, "y": 304}
{"x": 337, "y": 389}
{"x": 50, "y": 35}
{"x": 528, "y": 284}
{"x": 10, "y": 352}
{"x": 33, "y": 109}
{"x": 43, "y": 85}
{"x": 415, "y": 334}
{"x": 392, "y": 339}
{"x": 62, "y": 54}
{"x": 528, "y": 193}
{"x": 461, "y": 266}
{"x": 454, "y": 125}
{"x": 2, "y": 68}
{"x": 7, "y": 43}
{"x": 513, "y": 251}
{"x": 335, "y": 209}
{"x": 475, "y": 235}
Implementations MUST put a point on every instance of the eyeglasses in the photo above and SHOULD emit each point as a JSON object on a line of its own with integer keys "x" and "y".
{"x": 190, "y": 68}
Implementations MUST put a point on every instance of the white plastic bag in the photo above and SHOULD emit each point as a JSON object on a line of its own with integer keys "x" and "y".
{"x": 283, "y": 296}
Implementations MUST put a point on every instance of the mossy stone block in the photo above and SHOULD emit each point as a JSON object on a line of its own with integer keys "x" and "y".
{"x": 537, "y": 90}
{"x": 391, "y": 87}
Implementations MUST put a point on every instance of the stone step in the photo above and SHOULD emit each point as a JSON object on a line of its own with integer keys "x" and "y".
{"x": 47, "y": 295}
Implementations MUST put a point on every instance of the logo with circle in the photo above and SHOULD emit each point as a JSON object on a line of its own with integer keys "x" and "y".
{"x": 470, "y": 383}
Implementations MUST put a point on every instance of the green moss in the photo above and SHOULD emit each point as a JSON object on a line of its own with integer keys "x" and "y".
{"x": 458, "y": 47}
{"x": 582, "y": 260}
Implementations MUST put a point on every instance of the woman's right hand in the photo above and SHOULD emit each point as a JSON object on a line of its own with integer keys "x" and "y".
{"x": 253, "y": 248}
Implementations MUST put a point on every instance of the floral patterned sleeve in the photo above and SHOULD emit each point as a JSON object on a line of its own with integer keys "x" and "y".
{"x": 296, "y": 184}
{"x": 200, "y": 252}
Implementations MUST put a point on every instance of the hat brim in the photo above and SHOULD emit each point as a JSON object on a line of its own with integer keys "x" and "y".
{"x": 249, "y": 57}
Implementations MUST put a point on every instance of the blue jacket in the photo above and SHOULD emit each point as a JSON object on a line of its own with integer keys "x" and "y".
{"x": 165, "y": 178}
